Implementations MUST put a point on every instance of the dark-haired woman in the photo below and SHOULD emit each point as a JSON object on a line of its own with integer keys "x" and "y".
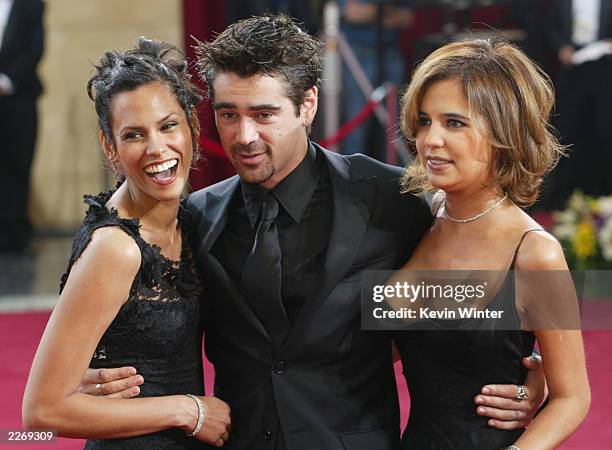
{"x": 477, "y": 114}
{"x": 130, "y": 296}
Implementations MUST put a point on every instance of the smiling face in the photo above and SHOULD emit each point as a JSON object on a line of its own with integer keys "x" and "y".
{"x": 152, "y": 142}
{"x": 455, "y": 155}
{"x": 260, "y": 131}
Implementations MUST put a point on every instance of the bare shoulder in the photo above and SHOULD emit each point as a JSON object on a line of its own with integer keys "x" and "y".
{"x": 101, "y": 278}
{"x": 111, "y": 250}
{"x": 540, "y": 251}
{"x": 114, "y": 242}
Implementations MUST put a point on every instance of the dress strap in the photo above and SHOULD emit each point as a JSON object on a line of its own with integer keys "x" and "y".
{"x": 519, "y": 244}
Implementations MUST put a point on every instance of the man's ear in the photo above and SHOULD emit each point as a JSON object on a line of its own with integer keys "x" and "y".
{"x": 110, "y": 152}
{"x": 308, "y": 108}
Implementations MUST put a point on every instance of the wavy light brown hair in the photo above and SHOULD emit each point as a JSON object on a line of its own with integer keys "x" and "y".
{"x": 510, "y": 99}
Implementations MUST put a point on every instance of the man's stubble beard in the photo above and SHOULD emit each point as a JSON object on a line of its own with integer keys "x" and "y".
{"x": 261, "y": 173}
{"x": 258, "y": 175}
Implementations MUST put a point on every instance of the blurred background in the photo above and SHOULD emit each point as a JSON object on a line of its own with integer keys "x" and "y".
{"x": 46, "y": 54}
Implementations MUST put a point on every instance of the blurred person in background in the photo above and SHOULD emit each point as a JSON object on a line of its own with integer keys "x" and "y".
{"x": 371, "y": 28}
{"x": 584, "y": 106}
{"x": 308, "y": 12}
{"x": 21, "y": 47}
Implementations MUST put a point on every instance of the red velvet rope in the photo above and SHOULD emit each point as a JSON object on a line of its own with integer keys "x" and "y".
{"x": 349, "y": 126}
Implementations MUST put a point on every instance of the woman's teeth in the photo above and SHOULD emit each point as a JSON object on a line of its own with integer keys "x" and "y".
{"x": 158, "y": 168}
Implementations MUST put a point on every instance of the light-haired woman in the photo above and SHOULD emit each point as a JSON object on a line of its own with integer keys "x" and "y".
{"x": 477, "y": 113}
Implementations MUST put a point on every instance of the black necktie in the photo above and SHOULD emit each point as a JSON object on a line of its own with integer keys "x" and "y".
{"x": 261, "y": 276}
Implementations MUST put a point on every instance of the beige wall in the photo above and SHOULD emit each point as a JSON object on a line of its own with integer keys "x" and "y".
{"x": 68, "y": 161}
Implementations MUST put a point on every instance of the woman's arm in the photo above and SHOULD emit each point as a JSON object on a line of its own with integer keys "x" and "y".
{"x": 562, "y": 349}
{"x": 97, "y": 287}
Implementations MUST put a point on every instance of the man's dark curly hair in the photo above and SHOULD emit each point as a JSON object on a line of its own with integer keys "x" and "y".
{"x": 273, "y": 45}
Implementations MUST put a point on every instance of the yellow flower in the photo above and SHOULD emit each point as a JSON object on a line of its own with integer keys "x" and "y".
{"x": 584, "y": 241}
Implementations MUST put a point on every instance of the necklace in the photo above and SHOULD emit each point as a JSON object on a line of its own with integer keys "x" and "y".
{"x": 477, "y": 216}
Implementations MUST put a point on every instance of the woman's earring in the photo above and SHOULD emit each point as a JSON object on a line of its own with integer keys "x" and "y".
{"x": 119, "y": 177}
{"x": 115, "y": 173}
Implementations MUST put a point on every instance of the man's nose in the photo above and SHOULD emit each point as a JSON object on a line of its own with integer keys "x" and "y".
{"x": 247, "y": 132}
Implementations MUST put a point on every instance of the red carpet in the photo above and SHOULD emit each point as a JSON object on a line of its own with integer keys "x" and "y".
{"x": 20, "y": 333}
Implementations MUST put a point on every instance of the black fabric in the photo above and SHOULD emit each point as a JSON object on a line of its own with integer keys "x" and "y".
{"x": 22, "y": 46}
{"x": 157, "y": 330}
{"x": 330, "y": 385}
{"x": 446, "y": 369}
{"x": 21, "y": 50}
{"x": 18, "y": 131}
{"x": 583, "y": 113}
{"x": 303, "y": 227}
{"x": 261, "y": 277}
{"x": 559, "y": 26}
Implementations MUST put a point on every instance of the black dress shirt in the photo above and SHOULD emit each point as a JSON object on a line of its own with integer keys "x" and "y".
{"x": 304, "y": 226}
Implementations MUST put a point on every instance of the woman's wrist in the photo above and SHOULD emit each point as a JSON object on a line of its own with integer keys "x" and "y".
{"x": 201, "y": 412}
{"x": 187, "y": 413}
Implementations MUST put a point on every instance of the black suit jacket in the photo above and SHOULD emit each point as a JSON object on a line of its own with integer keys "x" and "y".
{"x": 22, "y": 46}
{"x": 560, "y": 22}
{"x": 329, "y": 384}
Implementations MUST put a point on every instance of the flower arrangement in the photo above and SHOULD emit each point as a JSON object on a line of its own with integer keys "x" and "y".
{"x": 585, "y": 231}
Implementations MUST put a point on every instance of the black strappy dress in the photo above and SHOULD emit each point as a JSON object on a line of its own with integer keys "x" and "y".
{"x": 445, "y": 370}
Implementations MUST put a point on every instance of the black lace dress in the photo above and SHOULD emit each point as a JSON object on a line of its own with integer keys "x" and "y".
{"x": 158, "y": 331}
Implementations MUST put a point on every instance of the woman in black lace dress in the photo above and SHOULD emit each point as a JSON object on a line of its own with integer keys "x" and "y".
{"x": 477, "y": 114}
{"x": 130, "y": 296}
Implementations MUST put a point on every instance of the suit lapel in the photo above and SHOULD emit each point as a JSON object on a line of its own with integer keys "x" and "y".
{"x": 349, "y": 224}
{"x": 215, "y": 211}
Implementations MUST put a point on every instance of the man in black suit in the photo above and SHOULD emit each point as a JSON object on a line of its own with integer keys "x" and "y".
{"x": 293, "y": 362}
{"x": 584, "y": 98}
{"x": 281, "y": 247}
{"x": 20, "y": 51}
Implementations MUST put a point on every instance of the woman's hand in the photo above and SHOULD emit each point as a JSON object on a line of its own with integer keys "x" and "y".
{"x": 217, "y": 420}
{"x": 121, "y": 382}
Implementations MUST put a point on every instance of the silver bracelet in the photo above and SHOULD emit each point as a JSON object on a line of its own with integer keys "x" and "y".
{"x": 201, "y": 411}
{"x": 513, "y": 447}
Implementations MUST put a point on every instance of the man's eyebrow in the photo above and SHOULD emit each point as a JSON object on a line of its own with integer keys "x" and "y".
{"x": 264, "y": 106}
{"x": 224, "y": 105}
